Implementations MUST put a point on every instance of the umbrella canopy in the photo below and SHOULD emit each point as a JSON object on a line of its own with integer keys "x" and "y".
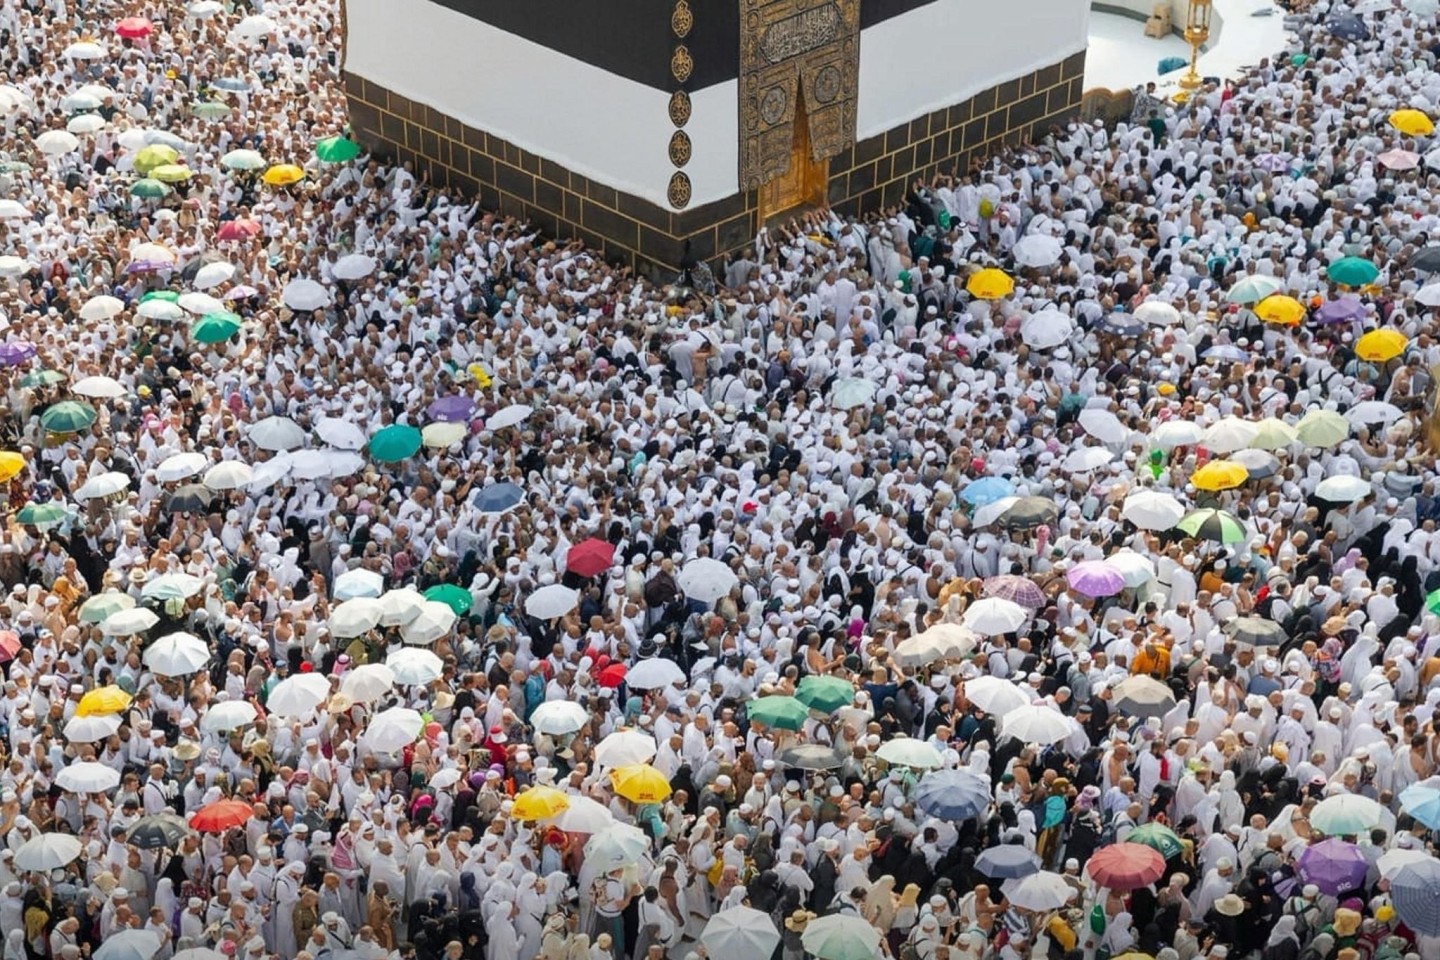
{"x": 336, "y": 150}
{"x": 1035, "y": 724}
{"x": 283, "y": 175}
{"x": 1152, "y": 510}
{"x": 68, "y": 416}
{"x": 228, "y": 715}
{"x": 617, "y": 845}
{"x": 993, "y": 616}
{"x": 276, "y": 434}
{"x": 785, "y": 713}
{"x": 655, "y": 673}
{"x": 583, "y": 815}
{"x": 176, "y": 655}
{"x": 371, "y": 681}
{"x": 1374, "y": 412}
{"x": 1103, "y": 425}
{"x": 549, "y": 602}
{"x": 558, "y": 717}
{"x": 1412, "y": 888}
{"x": 1278, "y": 308}
{"x": 510, "y": 416}
{"x": 740, "y": 932}
{"x": 298, "y": 695}
{"x": 1030, "y": 512}
{"x": 215, "y": 327}
{"x": 624, "y": 748}
{"x": 1252, "y": 289}
{"x": 953, "y": 794}
{"x": 128, "y": 622}
{"x": 221, "y": 816}
{"x": 590, "y": 557}
{"x": 498, "y": 497}
{"x": 1256, "y": 631}
{"x": 458, "y": 599}
{"x": 1422, "y": 803}
{"x": 987, "y": 490}
{"x": 395, "y": 443}
{"x": 840, "y": 936}
{"x": 1273, "y": 434}
{"x": 1039, "y": 891}
{"x": 1125, "y": 866}
{"x": 909, "y": 752}
{"x": 706, "y": 580}
{"x": 823, "y": 693}
{"x": 1343, "y": 488}
{"x": 1095, "y": 578}
{"x": 811, "y": 756}
{"x": 1141, "y": 696}
{"x": 129, "y": 945}
{"x": 87, "y": 776}
{"x": 990, "y": 284}
{"x": 91, "y": 729}
{"x": 191, "y": 498}
{"x": 1016, "y": 589}
{"x": 11, "y": 463}
{"x": 40, "y": 514}
{"x": 539, "y": 803}
{"x": 1258, "y": 464}
{"x": 1214, "y": 525}
{"x": 994, "y": 695}
{"x": 640, "y": 783}
{"x": 1333, "y": 865}
{"x": 434, "y": 620}
{"x": 399, "y": 607}
{"x": 180, "y": 466}
{"x": 1037, "y": 250}
{"x": 305, "y": 294}
{"x": 340, "y": 433}
{"x": 1047, "y": 329}
{"x": 1136, "y": 568}
{"x": 1346, "y": 815}
{"x": 102, "y": 700}
{"x": 358, "y": 583}
{"x": 1381, "y": 346}
{"x": 229, "y": 475}
{"x": 851, "y": 392}
{"x": 159, "y": 831}
{"x": 452, "y": 408}
{"x": 943, "y": 641}
{"x": 415, "y": 667}
{"x": 1086, "y": 459}
{"x": 392, "y": 730}
{"x": 1352, "y": 272}
{"x": 1008, "y": 861}
{"x": 1159, "y": 838}
{"x": 1412, "y": 123}
{"x": 1322, "y": 428}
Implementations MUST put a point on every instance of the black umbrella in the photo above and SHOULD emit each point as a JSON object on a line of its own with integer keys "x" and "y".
{"x": 1007, "y": 862}
{"x": 1427, "y": 260}
{"x": 1028, "y": 513}
{"x": 1256, "y": 631}
{"x": 1122, "y": 324}
{"x": 191, "y": 498}
{"x": 157, "y": 831}
{"x": 811, "y": 756}
{"x": 1348, "y": 28}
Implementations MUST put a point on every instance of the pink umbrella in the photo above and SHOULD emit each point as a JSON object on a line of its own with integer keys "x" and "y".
{"x": 1400, "y": 159}
{"x": 1015, "y": 589}
{"x": 133, "y": 28}
{"x": 1095, "y": 578}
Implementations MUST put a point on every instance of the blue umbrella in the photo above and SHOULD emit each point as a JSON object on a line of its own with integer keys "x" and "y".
{"x": 498, "y": 498}
{"x": 1348, "y": 28}
{"x": 1226, "y": 351}
{"x": 452, "y": 409}
{"x": 1007, "y": 861}
{"x": 1170, "y": 65}
{"x": 1122, "y": 324}
{"x": 987, "y": 490}
{"x": 1412, "y": 888}
{"x": 1422, "y": 803}
{"x": 953, "y": 794}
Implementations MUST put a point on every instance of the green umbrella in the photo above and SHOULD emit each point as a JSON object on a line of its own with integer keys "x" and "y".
{"x": 42, "y": 378}
{"x": 167, "y": 295}
{"x": 456, "y": 598}
{"x": 210, "y": 110}
{"x": 1432, "y": 602}
{"x": 1215, "y": 525}
{"x": 394, "y": 443}
{"x": 149, "y": 188}
{"x": 785, "y": 713}
{"x": 68, "y": 416}
{"x": 215, "y": 327}
{"x": 337, "y": 150}
{"x": 51, "y": 512}
{"x": 1352, "y": 271}
{"x": 826, "y": 694}
{"x": 1158, "y": 837}
{"x": 99, "y": 607}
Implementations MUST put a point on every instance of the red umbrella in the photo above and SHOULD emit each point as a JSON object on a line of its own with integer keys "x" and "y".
{"x": 613, "y": 675}
{"x": 221, "y": 816}
{"x": 9, "y": 645}
{"x": 237, "y": 230}
{"x": 133, "y": 28}
{"x": 590, "y": 558}
{"x": 1125, "y": 866}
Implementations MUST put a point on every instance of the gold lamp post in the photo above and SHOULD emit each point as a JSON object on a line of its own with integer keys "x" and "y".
{"x": 1197, "y": 31}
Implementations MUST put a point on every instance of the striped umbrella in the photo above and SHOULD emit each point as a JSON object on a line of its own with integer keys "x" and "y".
{"x": 1412, "y": 888}
{"x": 1015, "y": 589}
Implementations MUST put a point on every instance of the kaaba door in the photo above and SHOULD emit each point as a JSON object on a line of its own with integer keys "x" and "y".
{"x": 806, "y": 181}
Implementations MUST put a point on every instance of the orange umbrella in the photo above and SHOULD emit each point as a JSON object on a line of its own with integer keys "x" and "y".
{"x": 221, "y": 816}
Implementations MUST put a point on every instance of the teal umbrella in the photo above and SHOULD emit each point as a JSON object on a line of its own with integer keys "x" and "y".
{"x": 1214, "y": 525}
{"x": 149, "y": 189}
{"x": 169, "y": 296}
{"x": 826, "y": 694}
{"x": 394, "y": 443}
{"x": 51, "y": 512}
{"x": 68, "y": 416}
{"x": 456, "y": 598}
{"x": 337, "y": 150}
{"x": 215, "y": 327}
{"x": 1158, "y": 837}
{"x": 42, "y": 378}
{"x": 1352, "y": 271}
{"x": 785, "y": 713}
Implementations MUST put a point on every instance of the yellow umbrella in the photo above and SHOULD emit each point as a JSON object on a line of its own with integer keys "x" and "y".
{"x": 640, "y": 783}
{"x": 990, "y": 284}
{"x": 443, "y": 433}
{"x": 1219, "y": 475}
{"x": 101, "y": 701}
{"x": 155, "y": 155}
{"x": 11, "y": 463}
{"x": 539, "y": 803}
{"x": 1273, "y": 434}
{"x": 1412, "y": 122}
{"x": 171, "y": 173}
{"x": 283, "y": 174}
{"x": 1280, "y": 309}
{"x": 1381, "y": 345}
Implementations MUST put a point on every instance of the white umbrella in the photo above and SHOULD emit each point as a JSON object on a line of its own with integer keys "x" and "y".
{"x": 98, "y": 388}
{"x": 229, "y": 475}
{"x": 582, "y": 816}
{"x": 358, "y": 583}
{"x": 126, "y": 623}
{"x": 13, "y": 266}
{"x": 1343, "y": 488}
{"x": 91, "y": 729}
{"x": 86, "y": 123}
{"x": 840, "y": 936}
{"x": 1229, "y": 434}
{"x": 54, "y": 143}
{"x": 1136, "y": 568}
{"x": 617, "y": 845}
{"x": 558, "y": 717}
{"x": 102, "y": 307}
{"x": 995, "y": 615}
{"x": 169, "y": 586}
{"x": 254, "y": 27}
{"x": 176, "y": 655}
{"x": 180, "y": 466}
{"x": 445, "y": 778}
{"x": 369, "y": 682}
{"x": 227, "y": 715}
{"x": 654, "y": 673}
{"x": 277, "y": 433}
{"x": 1047, "y": 329}
{"x": 325, "y": 462}
{"x": 740, "y": 932}
{"x": 434, "y": 621}
{"x": 1035, "y": 724}
{"x": 706, "y": 579}
{"x": 994, "y": 695}
{"x": 305, "y": 294}
{"x": 87, "y": 776}
{"x": 1157, "y": 312}
{"x": 267, "y": 473}
{"x": 1152, "y": 510}
{"x": 851, "y": 392}
{"x": 354, "y": 266}
{"x": 85, "y": 50}
{"x": 399, "y": 607}
{"x": 1037, "y": 250}
{"x": 213, "y": 274}
{"x": 414, "y": 667}
{"x": 392, "y": 730}
{"x": 15, "y": 210}
{"x": 129, "y": 945}
{"x": 623, "y": 748}
{"x": 355, "y": 618}
{"x": 340, "y": 433}
{"x": 1039, "y": 891}
{"x": 1392, "y": 861}
{"x": 1429, "y": 295}
{"x": 1373, "y": 411}
{"x": 1103, "y": 425}
{"x": 509, "y": 416}
{"x": 162, "y": 310}
{"x": 944, "y": 641}
{"x": 909, "y": 752}
{"x": 298, "y": 695}
{"x": 1176, "y": 433}
{"x": 1085, "y": 459}
{"x": 47, "y": 851}
{"x": 199, "y": 304}
{"x": 103, "y": 485}
{"x": 550, "y": 602}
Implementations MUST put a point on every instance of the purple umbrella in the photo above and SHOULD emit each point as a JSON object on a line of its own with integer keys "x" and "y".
{"x": 1334, "y": 866}
{"x": 1271, "y": 163}
{"x": 1095, "y": 578}
{"x": 1016, "y": 590}
{"x": 149, "y": 266}
{"x": 15, "y": 352}
{"x": 452, "y": 409}
{"x": 241, "y": 293}
{"x": 1340, "y": 311}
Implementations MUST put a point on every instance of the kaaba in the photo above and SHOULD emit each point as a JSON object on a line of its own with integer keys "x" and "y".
{"x": 641, "y": 126}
